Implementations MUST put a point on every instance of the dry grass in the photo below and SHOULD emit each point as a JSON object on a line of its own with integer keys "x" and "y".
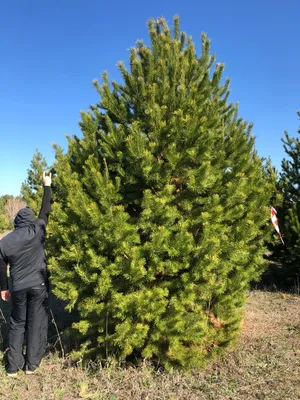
{"x": 265, "y": 364}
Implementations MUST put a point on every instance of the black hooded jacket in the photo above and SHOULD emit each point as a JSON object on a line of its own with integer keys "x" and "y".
{"x": 23, "y": 248}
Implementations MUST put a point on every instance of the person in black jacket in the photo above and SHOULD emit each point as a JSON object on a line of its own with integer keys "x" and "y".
{"x": 23, "y": 250}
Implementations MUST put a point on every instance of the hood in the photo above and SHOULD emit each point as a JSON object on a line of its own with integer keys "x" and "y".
{"x": 24, "y": 217}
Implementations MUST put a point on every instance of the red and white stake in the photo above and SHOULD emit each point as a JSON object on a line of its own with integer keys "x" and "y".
{"x": 275, "y": 222}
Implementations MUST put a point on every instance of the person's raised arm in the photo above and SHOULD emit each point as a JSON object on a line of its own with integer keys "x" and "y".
{"x": 45, "y": 208}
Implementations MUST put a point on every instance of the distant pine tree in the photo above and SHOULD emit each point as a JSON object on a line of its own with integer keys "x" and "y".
{"x": 5, "y": 224}
{"x": 32, "y": 188}
{"x": 163, "y": 208}
{"x": 289, "y": 214}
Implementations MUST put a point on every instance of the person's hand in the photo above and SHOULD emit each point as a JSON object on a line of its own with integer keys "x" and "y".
{"x": 5, "y": 295}
{"x": 47, "y": 180}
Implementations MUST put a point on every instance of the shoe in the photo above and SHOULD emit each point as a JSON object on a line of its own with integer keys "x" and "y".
{"x": 11, "y": 374}
{"x": 31, "y": 372}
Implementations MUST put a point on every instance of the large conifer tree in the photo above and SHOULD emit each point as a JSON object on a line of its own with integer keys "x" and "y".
{"x": 162, "y": 212}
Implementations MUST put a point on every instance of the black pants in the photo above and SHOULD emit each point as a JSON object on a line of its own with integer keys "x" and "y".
{"x": 29, "y": 316}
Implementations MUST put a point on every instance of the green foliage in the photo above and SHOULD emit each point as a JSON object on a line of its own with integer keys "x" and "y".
{"x": 163, "y": 209}
{"x": 289, "y": 213}
{"x": 32, "y": 188}
{"x": 5, "y": 223}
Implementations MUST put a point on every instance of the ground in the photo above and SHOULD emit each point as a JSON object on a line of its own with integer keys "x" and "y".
{"x": 264, "y": 364}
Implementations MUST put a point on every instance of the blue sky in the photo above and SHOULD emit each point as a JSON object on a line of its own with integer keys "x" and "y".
{"x": 52, "y": 50}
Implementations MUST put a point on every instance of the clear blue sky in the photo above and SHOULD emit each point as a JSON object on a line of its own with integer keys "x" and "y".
{"x": 52, "y": 50}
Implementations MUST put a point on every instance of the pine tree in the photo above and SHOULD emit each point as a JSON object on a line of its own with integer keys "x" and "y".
{"x": 32, "y": 188}
{"x": 4, "y": 224}
{"x": 289, "y": 213}
{"x": 163, "y": 209}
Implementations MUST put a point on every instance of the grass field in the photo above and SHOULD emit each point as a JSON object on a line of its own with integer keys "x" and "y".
{"x": 265, "y": 364}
